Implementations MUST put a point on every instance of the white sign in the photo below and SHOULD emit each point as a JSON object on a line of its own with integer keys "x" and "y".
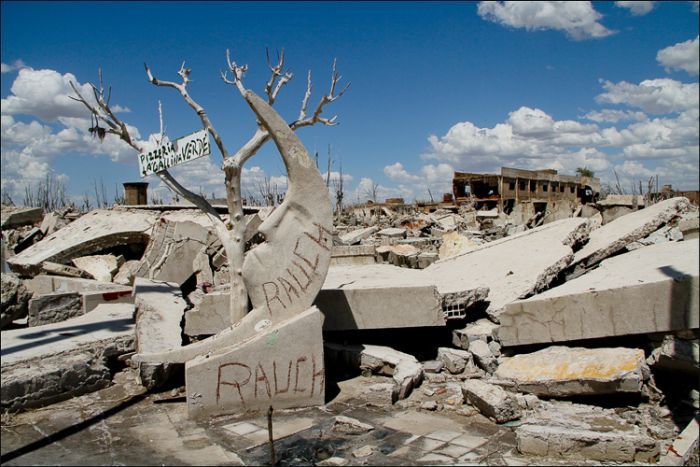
{"x": 168, "y": 153}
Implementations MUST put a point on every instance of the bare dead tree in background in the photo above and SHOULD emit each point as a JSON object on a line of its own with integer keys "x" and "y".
{"x": 230, "y": 232}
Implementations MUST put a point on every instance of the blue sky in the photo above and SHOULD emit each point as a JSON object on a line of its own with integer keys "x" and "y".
{"x": 436, "y": 87}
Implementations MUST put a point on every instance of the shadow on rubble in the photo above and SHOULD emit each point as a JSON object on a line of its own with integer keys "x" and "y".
{"x": 71, "y": 430}
{"x": 40, "y": 338}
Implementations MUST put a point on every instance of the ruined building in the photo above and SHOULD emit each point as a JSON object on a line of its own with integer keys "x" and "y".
{"x": 514, "y": 186}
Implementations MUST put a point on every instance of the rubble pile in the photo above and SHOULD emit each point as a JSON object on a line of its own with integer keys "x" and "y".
{"x": 576, "y": 328}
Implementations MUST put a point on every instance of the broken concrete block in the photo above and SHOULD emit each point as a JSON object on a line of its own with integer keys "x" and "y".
{"x": 481, "y": 329}
{"x": 28, "y": 239}
{"x": 684, "y": 447}
{"x": 652, "y": 289}
{"x": 575, "y": 431}
{"x": 93, "y": 299}
{"x": 392, "y": 232}
{"x": 201, "y": 267}
{"x": 95, "y": 231}
{"x": 282, "y": 366}
{"x": 173, "y": 246}
{"x": 354, "y": 237}
{"x": 210, "y": 315}
{"x": 351, "y": 426}
{"x": 45, "y": 364}
{"x": 62, "y": 270}
{"x": 426, "y": 259}
{"x": 54, "y": 308}
{"x": 160, "y": 307}
{"x": 100, "y": 267}
{"x": 17, "y": 217}
{"x": 689, "y": 225}
{"x": 676, "y": 354}
{"x": 51, "y": 223}
{"x": 352, "y": 255}
{"x": 512, "y": 267}
{"x": 433, "y": 366}
{"x": 15, "y": 299}
{"x": 567, "y": 371}
{"x": 614, "y": 236}
{"x": 354, "y": 303}
{"x": 454, "y": 244}
{"x": 127, "y": 272}
{"x": 92, "y": 292}
{"x": 491, "y": 400}
{"x": 483, "y": 356}
{"x": 455, "y": 360}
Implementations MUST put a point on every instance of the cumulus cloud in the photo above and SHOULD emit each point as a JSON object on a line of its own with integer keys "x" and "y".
{"x": 661, "y": 95}
{"x": 579, "y": 20}
{"x": 637, "y": 8}
{"x": 682, "y": 56}
{"x": 614, "y": 115}
{"x": 16, "y": 65}
{"x": 532, "y": 139}
{"x": 28, "y": 145}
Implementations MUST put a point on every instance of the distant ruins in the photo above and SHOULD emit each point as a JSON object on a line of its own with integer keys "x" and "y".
{"x": 513, "y": 186}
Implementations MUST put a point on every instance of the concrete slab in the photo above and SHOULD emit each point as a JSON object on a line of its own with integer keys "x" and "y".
{"x": 512, "y": 267}
{"x": 44, "y": 364}
{"x": 282, "y": 367}
{"x": 92, "y": 232}
{"x": 15, "y": 299}
{"x": 210, "y": 315}
{"x": 174, "y": 245}
{"x": 578, "y": 432}
{"x": 567, "y": 371}
{"x": 54, "y": 308}
{"x": 491, "y": 400}
{"x": 92, "y": 292}
{"x": 352, "y": 255}
{"x": 17, "y": 217}
{"x": 684, "y": 447}
{"x": 614, "y": 236}
{"x": 354, "y": 237}
{"x": 651, "y": 289}
{"x": 160, "y": 308}
{"x": 50, "y": 267}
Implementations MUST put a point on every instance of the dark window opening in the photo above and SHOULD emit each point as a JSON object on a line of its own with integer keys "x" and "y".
{"x": 511, "y": 186}
{"x": 545, "y": 187}
{"x": 561, "y": 189}
{"x": 508, "y": 206}
{"x": 523, "y": 185}
{"x": 532, "y": 186}
{"x": 572, "y": 189}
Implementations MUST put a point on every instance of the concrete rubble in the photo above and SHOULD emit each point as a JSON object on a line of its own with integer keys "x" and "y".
{"x": 422, "y": 321}
{"x": 567, "y": 371}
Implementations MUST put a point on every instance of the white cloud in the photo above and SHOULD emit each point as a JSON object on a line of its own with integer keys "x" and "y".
{"x": 578, "y": 19}
{"x": 16, "y": 65}
{"x": 637, "y": 8}
{"x": 682, "y": 56}
{"x": 661, "y": 95}
{"x": 614, "y": 115}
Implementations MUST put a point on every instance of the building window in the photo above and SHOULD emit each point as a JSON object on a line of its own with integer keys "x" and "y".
{"x": 561, "y": 189}
{"x": 532, "y": 186}
{"x": 511, "y": 186}
{"x": 545, "y": 187}
{"x": 523, "y": 186}
{"x": 571, "y": 188}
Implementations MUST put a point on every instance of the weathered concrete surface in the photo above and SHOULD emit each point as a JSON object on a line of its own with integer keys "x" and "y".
{"x": 45, "y": 364}
{"x": 17, "y": 217}
{"x": 100, "y": 267}
{"x": 392, "y": 232}
{"x": 160, "y": 308}
{"x": 54, "y": 308}
{"x": 127, "y": 272}
{"x": 209, "y": 315}
{"x": 614, "y": 236}
{"x": 567, "y": 371}
{"x": 574, "y": 431}
{"x": 15, "y": 299}
{"x": 481, "y": 329}
{"x": 512, "y": 267}
{"x": 652, "y": 289}
{"x": 176, "y": 240}
{"x": 95, "y": 231}
{"x": 491, "y": 400}
{"x": 455, "y": 360}
{"x": 282, "y": 367}
{"x": 405, "y": 370}
{"x": 352, "y": 255}
{"x": 483, "y": 355}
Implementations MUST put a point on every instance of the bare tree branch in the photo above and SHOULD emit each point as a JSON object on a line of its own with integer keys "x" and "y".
{"x": 182, "y": 88}
{"x": 276, "y": 72}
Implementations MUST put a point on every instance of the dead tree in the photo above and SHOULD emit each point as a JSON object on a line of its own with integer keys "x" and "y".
{"x": 231, "y": 232}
